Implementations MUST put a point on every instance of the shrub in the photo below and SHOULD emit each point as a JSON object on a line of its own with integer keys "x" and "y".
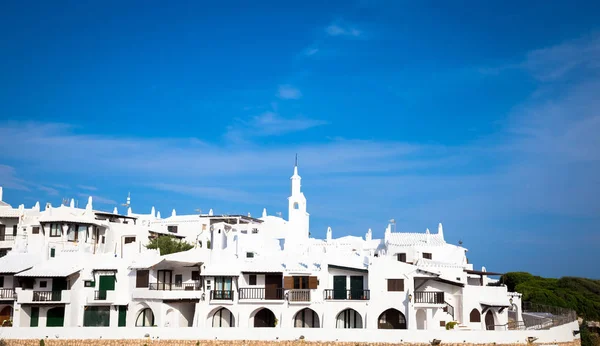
{"x": 451, "y": 324}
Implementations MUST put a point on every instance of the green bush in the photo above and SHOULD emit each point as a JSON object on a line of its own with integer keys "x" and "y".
{"x": 451, "y": 324}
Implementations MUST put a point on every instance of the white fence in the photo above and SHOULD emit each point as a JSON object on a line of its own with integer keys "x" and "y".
{"x": 562, "y": 333}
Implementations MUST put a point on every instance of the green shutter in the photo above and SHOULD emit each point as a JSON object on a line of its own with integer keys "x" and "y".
{"x": 56, "y": 317}
{"x": 107, "y": 283}
{"x": 122, "y": 315}
{"x": 35, "y": 316}
{"x": 52, "y": 252}
{"x": 339, "y": 287}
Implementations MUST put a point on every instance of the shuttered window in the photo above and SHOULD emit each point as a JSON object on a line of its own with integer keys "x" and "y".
{"x": 427, "y": 255}
{"x": 196, "y": 275}
{"x": 288, "y": 282}
{"x": 15, "y": 230}
{"x": 252, "y": 280}
{"x": 313, "y": 282}
{"x": 395, "y": 285}
{"x": 142, "y": 278}
{"x": 401, "y": 257}
{"x": 35, "y": 230}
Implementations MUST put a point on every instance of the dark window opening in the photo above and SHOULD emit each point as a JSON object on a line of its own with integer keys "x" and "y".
{"x": 252, "y": 280}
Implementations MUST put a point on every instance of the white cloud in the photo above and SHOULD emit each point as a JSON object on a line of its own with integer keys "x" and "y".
{"x": 338, "y": 30}
{"x": 49, "y": 190}
{"x": 288, "y": 92}
{"x": 86, "y": 187}
{"x": 311, "y": 51}
{"x": 9, "y": 179}
{"x": 207, "y": 192}
{"x": 269, "y": 123}
{"x": 97, "y": 199}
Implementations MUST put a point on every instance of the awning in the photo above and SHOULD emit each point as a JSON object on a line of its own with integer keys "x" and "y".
{"x": 14, "y": 263}
{"x": 361, "y": 270}
{"x": 479, "y": 272}
{"x": 45, "y": 271}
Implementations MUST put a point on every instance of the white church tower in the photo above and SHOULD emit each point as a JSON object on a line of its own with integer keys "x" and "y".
{"x": 298, "y": 217}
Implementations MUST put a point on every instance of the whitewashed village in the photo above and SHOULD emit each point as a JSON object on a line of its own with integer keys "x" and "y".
{"x": 72, "y": 271}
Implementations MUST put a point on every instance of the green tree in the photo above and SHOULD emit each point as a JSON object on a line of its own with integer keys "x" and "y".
{"x": 168, "y": 244}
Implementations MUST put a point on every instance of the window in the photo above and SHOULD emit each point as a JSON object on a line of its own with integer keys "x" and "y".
{"x": 129, "y": 240}
{"x": 43, "y": 284}
{"x": 172, "y": 229}
{"x": 142, "y": 278}
{"x": 296, "y": 205}
{"x": 401, "y": 257}
{"x": 300, "y": 282}
{"x": 72, "y": 234}
{"x": 52, "y": 252}
{"x": 395, "y": 285}
{"x": 89, "y": 283}
{"x": 15, "y": 230}
{"x": 474, "y": 316}
{"x": 55, "y": 230}
{"x": 1, "y": 281}
{"x": 103, "y": 239}
{"x": 252, "y": 280}
{"x": 178, "y": 280}
{"x": 254, "y": 230}
{"x": 427, "y": 255}
{"x": 249, "y": 254}
{"x": 196, "y": 275}
{"x": 35, "y": 230}
{"x": 442, "y": 323}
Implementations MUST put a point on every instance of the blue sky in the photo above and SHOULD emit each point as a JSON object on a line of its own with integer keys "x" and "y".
{"x": 482, "y": 115}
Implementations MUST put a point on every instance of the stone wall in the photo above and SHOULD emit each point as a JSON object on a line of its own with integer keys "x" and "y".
{"x": 142, "y": 342}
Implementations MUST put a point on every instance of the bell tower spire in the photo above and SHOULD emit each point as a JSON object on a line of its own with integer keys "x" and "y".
{"x": 298, "y": 217}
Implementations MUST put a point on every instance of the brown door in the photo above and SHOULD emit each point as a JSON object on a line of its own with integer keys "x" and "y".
{"x": 273, "y": 288}
{"x": 2, "y": 232}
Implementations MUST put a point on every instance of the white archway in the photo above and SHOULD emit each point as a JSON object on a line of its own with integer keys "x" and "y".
{"x": 222, "y": 318}
{"x": 421, "y": 318}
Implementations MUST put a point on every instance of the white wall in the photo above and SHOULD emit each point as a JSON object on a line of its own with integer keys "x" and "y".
{"x": 558, "y": 334}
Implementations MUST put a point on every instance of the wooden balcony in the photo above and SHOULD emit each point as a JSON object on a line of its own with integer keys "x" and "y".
{"x": 41, "y": 297}
{"x": 352, "y": 294}
{"x": 260, "y": 293}
{"x": 47, "y": 296}
{"x": 422, "y": 297}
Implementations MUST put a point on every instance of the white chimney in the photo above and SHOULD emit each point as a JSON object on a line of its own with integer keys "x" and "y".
{"x": 0, "y": 193}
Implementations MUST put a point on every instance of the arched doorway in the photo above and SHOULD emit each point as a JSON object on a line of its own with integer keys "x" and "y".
{"x": 349, "y": 318}
{"x": 223, "y": 318}
{"x": 391, "y": 319}
{"x": 489, "y": 321}
{"x": 306, "y": 318}
{"x": 421, "y": 319}
{"x": 55, "y": 317}
{"x": 264, "y": 318}
{"x": 145, "y": 318}
{"x": 6, "y": 316}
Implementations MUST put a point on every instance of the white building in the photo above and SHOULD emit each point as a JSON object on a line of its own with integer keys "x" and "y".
{"x": 77, "y": 267}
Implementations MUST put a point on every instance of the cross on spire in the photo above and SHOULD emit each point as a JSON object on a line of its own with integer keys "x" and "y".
{"x": 296, "y": 163}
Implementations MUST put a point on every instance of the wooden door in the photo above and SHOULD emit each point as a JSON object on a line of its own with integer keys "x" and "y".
{"x": 273, "y": 285}
{"x": 339, "y": 287}
{"x": 356, "y": 287}
{"x": 56, "y": 317}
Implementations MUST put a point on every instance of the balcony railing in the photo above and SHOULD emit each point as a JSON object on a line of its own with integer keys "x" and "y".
{"x": 7, "y": 237}
{"x": 221, "y": 295}
{"x": 47, "y": 296}
{"x": 261, "y": 293}
{"x": 352, "y": 294}
{"x": 429, "y": 297}
{"x": 299, "y": 295}
{"x": 100, "y": 295}
{"x": 7, "y": 293}
{"x": 195, "y": 286}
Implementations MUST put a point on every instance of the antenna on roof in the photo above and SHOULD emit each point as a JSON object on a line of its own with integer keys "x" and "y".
{"x": 128, "y": 200}
{"x": 198, "y": 210}
{"x": 460, "y": 242}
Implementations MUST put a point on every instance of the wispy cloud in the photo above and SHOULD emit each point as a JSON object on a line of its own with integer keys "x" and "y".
{"x": 98, "y": 199}
{"x": 269, "y": 123}
{"x": 288, "y": 92}
{"x": 311, "y": 51}
{"x": 86, "y": 187}
{"x": 339, "y": 30}
{"x": 207, "y": 192}
{"x": 9, "y": 179}
{"x": 49, "y": 190}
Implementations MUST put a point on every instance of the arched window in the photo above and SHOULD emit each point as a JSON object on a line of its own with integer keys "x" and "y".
{"x": 264, "y": 318}
{"x": 223, "y": 318}
{"x": 349, "y": 318}
{"x": 474, "y": 316}
{"x": 145, "y": 318}
{"x": 306, "y": 318}
{"x": 391, "y": 319}
{"x": 296, "y": 205}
